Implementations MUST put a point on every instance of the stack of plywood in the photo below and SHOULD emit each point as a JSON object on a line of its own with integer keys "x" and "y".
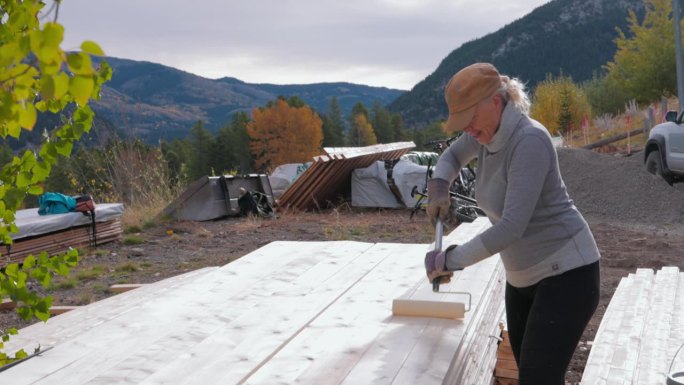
{"x": 329, "y": 175}
{"x": 289, "y": 312}
{"x": 57, "y": 233}
{"x": 60, "y": 241}
{"x": 641, "y": 330}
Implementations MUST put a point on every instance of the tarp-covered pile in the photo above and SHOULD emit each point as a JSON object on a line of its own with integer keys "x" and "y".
{"x": 329, "y": 175}
{"x": 57, "y": 233}
{"x": 384, "y": 185}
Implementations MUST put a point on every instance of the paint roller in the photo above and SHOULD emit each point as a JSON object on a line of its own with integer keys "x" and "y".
{"x": 427, "y": 308}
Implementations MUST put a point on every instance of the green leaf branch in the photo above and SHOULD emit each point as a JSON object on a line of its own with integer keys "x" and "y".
{"x": 38, "y": 76}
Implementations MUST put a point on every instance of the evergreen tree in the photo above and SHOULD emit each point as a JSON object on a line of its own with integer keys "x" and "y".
{"x": 201, "y": 152}
{"x": 358, "y": 108}
{"x": 293, "y": 101}
{"x": 225, "y": 148}
{"x": 333, "y": 125}
{"x": 565, "y": 116}
{"x": 425, "y": 138}
{"x": 604, "y": 96}
{"x": 175, "y": 153}
{"x": 381, "y": 121}
{"x": 232, "y": 146}
{"x": 400, "y": 134}
{"x": 244, "y": 163}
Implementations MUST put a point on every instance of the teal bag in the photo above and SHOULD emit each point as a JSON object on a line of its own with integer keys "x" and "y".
{"x": 55, "y": 203}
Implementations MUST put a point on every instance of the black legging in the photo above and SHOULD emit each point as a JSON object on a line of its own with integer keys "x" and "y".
{"x": 546, "y": 321}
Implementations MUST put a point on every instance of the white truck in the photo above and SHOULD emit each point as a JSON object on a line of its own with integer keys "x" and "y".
{"x": 664, "y": 152}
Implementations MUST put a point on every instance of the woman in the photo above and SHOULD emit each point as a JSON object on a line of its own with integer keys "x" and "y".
{"x": 548, "y": 251}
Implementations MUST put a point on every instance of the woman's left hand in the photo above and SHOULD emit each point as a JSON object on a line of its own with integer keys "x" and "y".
{"x": 435, "y": 266}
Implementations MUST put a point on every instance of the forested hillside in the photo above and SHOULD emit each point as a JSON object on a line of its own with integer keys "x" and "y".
{"x": 152, "y": 101}
{"x": 570, "y": 37}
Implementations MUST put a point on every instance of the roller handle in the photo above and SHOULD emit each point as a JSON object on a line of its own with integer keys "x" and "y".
{"x": 439, "y": 230}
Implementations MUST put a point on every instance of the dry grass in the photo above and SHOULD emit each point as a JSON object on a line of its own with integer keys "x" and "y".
{"x": 143, "y": 215}
{"x": 633, "y": 118}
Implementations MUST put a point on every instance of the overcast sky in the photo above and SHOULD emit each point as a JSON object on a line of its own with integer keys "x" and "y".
{"x": 390, "y": 43}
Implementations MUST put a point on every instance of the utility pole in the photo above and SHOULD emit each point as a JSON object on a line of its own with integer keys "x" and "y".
{"x": 678, "y": 53}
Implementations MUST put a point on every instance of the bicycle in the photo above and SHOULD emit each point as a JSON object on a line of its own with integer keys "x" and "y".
{"x": 462, "y": 191}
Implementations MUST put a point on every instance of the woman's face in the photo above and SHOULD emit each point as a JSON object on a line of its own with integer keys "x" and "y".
{"x": 486, "y": 120}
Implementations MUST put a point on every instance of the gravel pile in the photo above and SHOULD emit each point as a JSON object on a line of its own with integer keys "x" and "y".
{"x": 610, "y": 188}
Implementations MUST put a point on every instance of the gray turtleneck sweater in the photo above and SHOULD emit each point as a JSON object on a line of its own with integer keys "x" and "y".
{"x": 536, "y": 228}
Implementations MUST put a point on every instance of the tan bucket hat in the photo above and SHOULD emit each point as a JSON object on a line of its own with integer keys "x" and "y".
{"x": 465, "y": 90}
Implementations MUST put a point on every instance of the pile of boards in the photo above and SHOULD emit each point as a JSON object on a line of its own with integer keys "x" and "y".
{"x": 641, "y": 331}
{"x": 329, "y": 176}
{"x": 289, "y": 312}
{"x": 57, "y": 233}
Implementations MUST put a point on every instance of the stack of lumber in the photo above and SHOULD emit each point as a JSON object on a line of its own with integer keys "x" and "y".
{"x": 60, "y": 241}
{"x": 641, "y": 330}
{"x": 506, "y": 371}
{"x": 57, "y": 233}
{"x": 289, "y": 312}
{"x": 329, "y": 175}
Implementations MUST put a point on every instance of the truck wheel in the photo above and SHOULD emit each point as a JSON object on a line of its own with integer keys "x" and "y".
{"x": 654, "y": 165}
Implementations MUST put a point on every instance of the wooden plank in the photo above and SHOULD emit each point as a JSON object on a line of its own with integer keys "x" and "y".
{"x": 478, "y": 347}
{"x": 506, "y": 364}
{"x": 291, "y": 312}
{"x": 61, "y": 309}
{"x": 123, "y": 287}
{"x": 376, "y": 349}
{"x": 238, "y": 301}
{"x": 506, "y": 373}
{"x": 7, "y": 304}
{"x": 626, "y": 352}
{"x": 60, "y": 241}
{"x": 615, "y": 353}
{"x": 77, "y": 322}
{"x": 653, "y": 360}
{"x": 505, "y": 359}
{"x": 255, "y": 335}
{"x": 505, "y": 381}
{"x": 327, "y": 349}
{"x": 297, "y": 188}
{"x": 317, "y": 186}
{"x": 597, "y": 368}
{"x": 677, "y": 329}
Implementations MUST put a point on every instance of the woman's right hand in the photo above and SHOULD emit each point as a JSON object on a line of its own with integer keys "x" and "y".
{"x": 438, "y": 200}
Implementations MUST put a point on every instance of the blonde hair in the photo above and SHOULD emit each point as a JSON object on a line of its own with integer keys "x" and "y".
{"x": 513, "y": 90}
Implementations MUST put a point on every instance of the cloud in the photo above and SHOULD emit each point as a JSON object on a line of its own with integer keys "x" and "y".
{"x": 393, "y": 43}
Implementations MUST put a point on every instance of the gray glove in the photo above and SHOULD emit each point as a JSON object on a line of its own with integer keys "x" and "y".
{"x": 435, "y": 266}
{"x": 438, "y": 199}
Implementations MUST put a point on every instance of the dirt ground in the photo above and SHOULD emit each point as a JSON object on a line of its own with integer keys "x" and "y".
{"x": 172, "y": 248}
{"x": 178, "y": 247}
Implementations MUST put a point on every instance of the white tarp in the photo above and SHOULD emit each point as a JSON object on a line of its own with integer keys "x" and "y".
{"x": 284, "y": 175}
{"x": 30, "y": 223}
{"x": 369, "y": 186}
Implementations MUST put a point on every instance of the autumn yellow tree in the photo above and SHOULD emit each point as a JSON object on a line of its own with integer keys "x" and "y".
{"x": 283, "y": 133}
{"x": 644, "y": 64}
{"x": 559, "y": 104}
{"x": 361, "y": 132}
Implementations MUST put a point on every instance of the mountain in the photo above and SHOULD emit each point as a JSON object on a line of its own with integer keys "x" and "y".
{"x": 570, "y": 37}
{"x": 153, "y": 101}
